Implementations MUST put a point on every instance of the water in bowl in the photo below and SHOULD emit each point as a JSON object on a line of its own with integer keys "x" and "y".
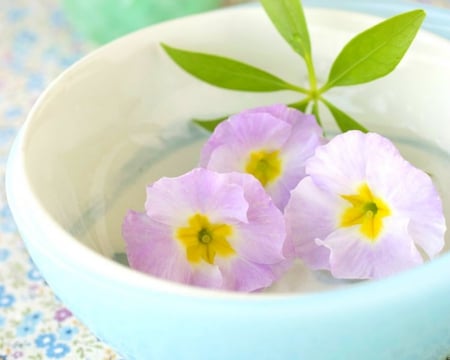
{"x": 100, "y": 223}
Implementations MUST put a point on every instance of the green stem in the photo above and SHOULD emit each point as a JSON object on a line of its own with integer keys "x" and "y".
{"x": 315, "y": 111}
{"x": 311, "y": 75}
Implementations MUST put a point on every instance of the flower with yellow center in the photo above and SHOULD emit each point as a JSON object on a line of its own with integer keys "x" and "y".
{"x": 208, "y": 229}
{"x": 363, "y": 211}
{"x": 271, "y": 143}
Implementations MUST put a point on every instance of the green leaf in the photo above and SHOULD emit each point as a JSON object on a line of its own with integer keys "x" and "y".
{"x": 121, "y": 258}
{"x": 343, "y": 120}
{"x": 375, "y": 52}
{"x": 289, "y": 19}
{"x": 301, "y": 105}
{"x": 209, "y": 125}
{"x": 227, "y": 73}
{"x": 315, "y": 112}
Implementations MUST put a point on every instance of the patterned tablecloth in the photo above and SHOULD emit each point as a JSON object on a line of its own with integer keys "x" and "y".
{"x": 36, "y": 44}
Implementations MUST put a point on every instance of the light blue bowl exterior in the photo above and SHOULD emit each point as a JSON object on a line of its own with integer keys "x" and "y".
{"x": 406, "y": 317}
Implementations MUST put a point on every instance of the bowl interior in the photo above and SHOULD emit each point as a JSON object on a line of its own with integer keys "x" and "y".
{"x": 119, "y": 119}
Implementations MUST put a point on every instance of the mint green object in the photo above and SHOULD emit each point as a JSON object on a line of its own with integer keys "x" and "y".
{"x": 104, "y": 20}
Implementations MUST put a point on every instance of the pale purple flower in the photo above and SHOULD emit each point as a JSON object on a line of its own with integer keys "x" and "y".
{"x": 62, "y": 314}
{"x": 208, "y": 229}
{"x": 272, "y": 143}
{"x": 363, "y": 211}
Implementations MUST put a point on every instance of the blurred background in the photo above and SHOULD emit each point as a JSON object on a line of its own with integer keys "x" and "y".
{"x": 38, "y": 40}
{"x": 104, "y": 20}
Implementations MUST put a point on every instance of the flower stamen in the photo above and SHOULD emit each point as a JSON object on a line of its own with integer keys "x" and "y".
{"x": 204, "y": 236}
{"x": 204, "y": 240}
{"x": 367, "y": 211}
{"x": 264, "y": 165}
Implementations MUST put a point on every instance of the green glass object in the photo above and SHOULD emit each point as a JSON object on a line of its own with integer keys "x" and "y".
{"x": 105, "y": 20}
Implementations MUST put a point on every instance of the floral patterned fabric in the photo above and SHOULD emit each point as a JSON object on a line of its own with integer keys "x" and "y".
{"x": 36, "y": 44}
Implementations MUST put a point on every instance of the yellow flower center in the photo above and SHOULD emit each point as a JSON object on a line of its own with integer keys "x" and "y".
{"x": 203, "y": 240}
{"x": 366, "y": 210}
{"x": 264, "y": 165}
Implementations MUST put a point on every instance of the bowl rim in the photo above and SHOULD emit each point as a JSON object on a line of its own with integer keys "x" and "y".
{"x": 107, "y": 268}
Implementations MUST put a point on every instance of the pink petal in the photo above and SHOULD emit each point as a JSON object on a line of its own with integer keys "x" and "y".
{"x": 341, "y": 164}
{"x": 151, "y": 248}
{"x": 208, "y": 276}
{"x": 280, "y": 193}
{"x": 173, "y": 200}
{"x": 283, "y": 112}
{"x": 261, "y": 239}
{"x": 305, "y": 137}
{"x": 353, "y": 257}
{"x": 311, "y": 214}
{"x": 243, "y": 275}
{"x": 416, "y": 198}
{"x": 242, "y": 134}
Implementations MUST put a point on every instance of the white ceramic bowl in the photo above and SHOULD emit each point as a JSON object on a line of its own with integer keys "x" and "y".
{"x": 119, "y": 119}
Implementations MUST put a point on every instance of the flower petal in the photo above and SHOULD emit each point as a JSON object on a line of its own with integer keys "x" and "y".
{"x": 310, "y": 214}
{"x": 341, "y": 164}
{"x": 244, "y": 275}
{"x": 206, "y": 275}
{"x": 197, "y": 191}
{"x": 280, "y": 111}
{"x": 151, "y": 248}
{"x": 240, "y": 135}
{"x": 306, "y": 137}
{"x": 232, "y": 127}
{"x": 416, "y": 198}
{"x": 352, "y": 257}
{"x": 261, "y": 239}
